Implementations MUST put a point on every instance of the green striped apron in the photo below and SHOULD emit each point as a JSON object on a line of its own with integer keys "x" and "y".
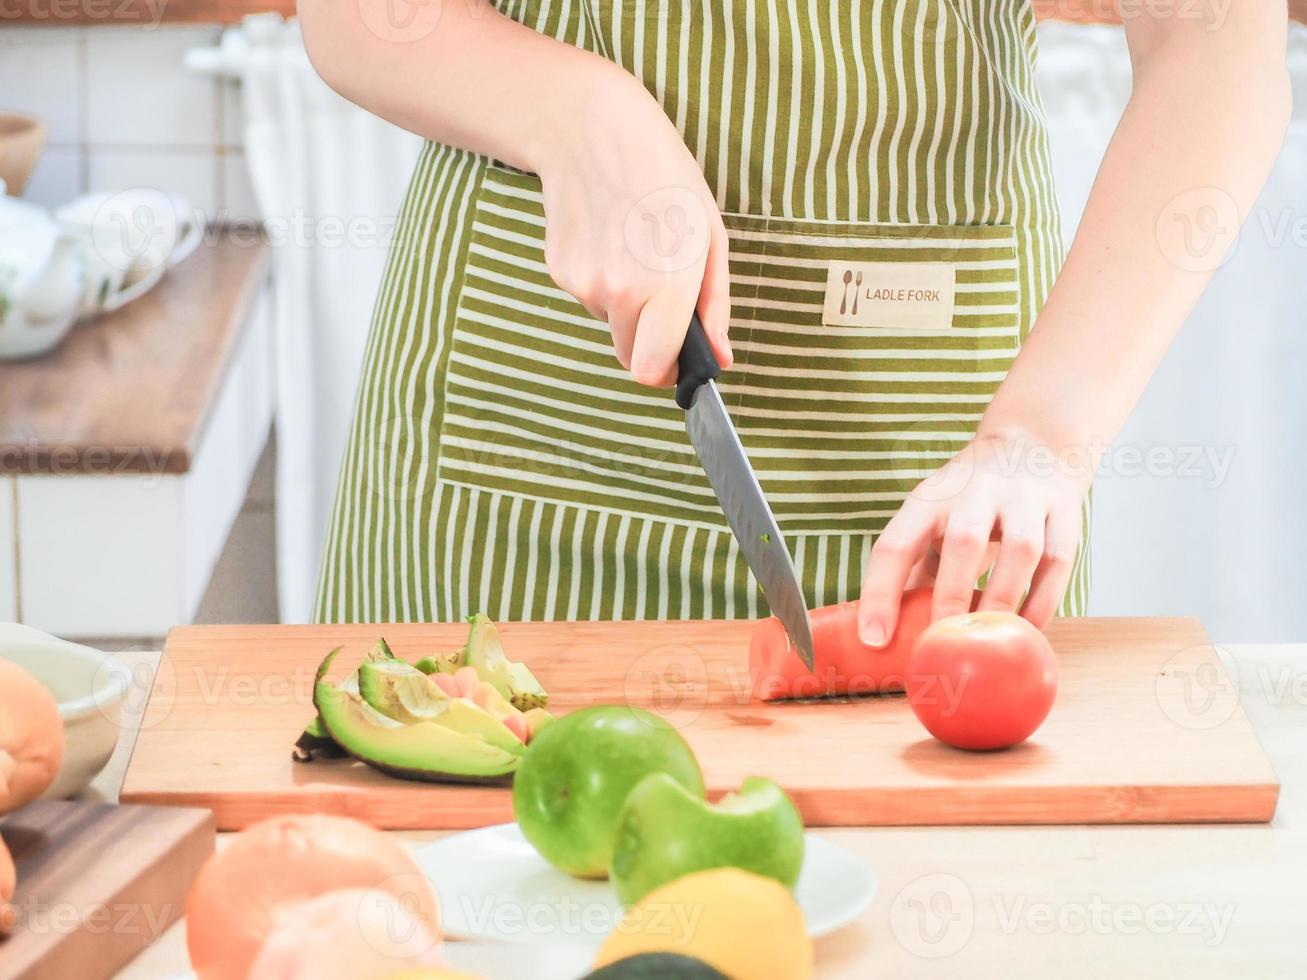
{"x": 502, "y": 461}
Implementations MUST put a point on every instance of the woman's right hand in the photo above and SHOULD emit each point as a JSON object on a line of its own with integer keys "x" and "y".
{"x": 631, "y": 228}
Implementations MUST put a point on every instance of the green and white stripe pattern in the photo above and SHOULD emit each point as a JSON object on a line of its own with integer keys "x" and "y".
{"x": 501, "y": 460}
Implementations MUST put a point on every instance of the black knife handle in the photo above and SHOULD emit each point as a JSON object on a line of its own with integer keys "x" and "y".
{"x": 696, "y": 365}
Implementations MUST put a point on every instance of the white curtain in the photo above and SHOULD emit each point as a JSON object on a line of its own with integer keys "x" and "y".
{"x": 1216, "y": 528}
{"x": 329, "y": 179}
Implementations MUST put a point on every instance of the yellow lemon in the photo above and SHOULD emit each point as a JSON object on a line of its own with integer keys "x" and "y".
{"x": 744, "y": 925}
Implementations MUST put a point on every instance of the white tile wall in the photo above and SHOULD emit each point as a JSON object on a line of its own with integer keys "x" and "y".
{"x": 8, "y": 573}
{"x": 193, "y": 173}
{"x": 40, "y": 74}
{"x": 142, "y": 95}
{"x": 123, "y": 110}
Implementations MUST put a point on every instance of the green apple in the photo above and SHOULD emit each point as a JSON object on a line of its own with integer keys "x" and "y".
{"x": 663, "y": 832}
{"x": 577, "y": 772}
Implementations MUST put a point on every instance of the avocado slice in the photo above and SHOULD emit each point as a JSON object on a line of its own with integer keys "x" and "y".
{"x": 421, "y": 750}
{"x": 513, "y": 680}
{"x": 380, "y": 652}
{"x": 402, "y": 692}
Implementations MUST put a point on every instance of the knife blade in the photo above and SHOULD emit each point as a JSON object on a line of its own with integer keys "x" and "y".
{"x": 732, "y": 478}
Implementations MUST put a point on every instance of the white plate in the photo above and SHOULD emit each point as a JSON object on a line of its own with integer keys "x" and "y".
{"x": 494, "y": 886}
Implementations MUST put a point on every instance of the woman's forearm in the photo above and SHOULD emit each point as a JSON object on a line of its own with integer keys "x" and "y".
{"x": 1197, "y": 140}
{"x": 459, "y": 73}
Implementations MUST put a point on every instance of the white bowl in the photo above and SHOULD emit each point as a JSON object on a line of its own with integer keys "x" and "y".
{"x": 89, "y": 686}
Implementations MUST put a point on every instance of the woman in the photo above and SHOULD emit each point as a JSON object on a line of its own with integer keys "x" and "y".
{"x": 856, "y": 198}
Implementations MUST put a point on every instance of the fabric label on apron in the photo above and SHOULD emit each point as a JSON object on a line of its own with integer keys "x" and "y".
{"x": 891, "y": 295}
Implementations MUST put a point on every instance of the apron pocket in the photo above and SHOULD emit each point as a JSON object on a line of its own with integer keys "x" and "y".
{"x": 841, "y": 411}
{"x": 865, "y": 357}
{"x": 536, "y": 405}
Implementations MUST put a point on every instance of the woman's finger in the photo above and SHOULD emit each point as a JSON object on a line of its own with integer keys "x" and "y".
{"x": 659, "y": 334}
{"x": 1061, "y": 534}
{"x": 715, "y": 296}
{"x": 895, "y": 552}
{"x": 1021, "y": 545}
{"x": 962, "y": 558}
{"x": 623, "y": 319}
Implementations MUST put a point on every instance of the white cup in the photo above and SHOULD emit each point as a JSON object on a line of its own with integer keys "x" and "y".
{"x": 130, "y": 238}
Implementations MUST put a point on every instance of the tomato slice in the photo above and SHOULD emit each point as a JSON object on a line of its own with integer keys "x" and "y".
{"x": 842, "y": 663}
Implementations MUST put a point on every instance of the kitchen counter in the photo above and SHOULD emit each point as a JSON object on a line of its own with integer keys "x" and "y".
{"x": 1192, "y": 901}
{"x": 132, "y": 391}
{"x": 126, "y": 453}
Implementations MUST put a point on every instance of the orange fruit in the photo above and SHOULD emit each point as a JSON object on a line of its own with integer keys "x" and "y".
{"x": 31, "y": 737}
{"x": 249, "y": 886}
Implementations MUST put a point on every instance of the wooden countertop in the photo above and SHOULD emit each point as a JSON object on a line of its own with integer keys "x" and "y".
{"x": 130, "y": 392}
{"x": 1019, "y": 902}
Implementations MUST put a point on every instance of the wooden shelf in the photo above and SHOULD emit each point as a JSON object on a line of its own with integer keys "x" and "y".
{"x": 131, "y": 391}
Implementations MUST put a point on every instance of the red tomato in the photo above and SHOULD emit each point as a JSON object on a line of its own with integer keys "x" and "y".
{"x": 842, "y": 663}
{"x": 982, "y": 680}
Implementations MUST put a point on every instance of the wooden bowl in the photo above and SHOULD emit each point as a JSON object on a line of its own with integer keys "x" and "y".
{"x": 21, "y": 139}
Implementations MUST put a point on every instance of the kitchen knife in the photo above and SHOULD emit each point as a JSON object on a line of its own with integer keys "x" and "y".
{"x": 714, "y": 438}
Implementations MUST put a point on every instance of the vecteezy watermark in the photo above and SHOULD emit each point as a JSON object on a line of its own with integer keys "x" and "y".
{"x": 149, "y": 465}
{"x": 41, "y": 918}
{"x": 667, "y": 230}
{"x": 151, "y": 693}
{"x": 147, "y": 13}
{"x": 933, "y": 916}
{"x": 561, "y": 916}
{"x": 1212, "y": 13}
{"x": 1206, "y": 921}
{"x": 396, "y": 917}
{"x": 400, "y": 21}
{"x": 936, "y": 460}
{"x": 1196, "y": 690}
{"x": 1198, "y": 230}
{"x": 671, "y": 680}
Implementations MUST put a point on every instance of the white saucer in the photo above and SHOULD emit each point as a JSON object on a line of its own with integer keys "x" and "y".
{"x": 493, "y": 886}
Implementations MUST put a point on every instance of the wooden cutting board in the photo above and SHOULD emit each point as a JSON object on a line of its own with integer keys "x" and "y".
{"x": 97, "y": 883}
{"x": 1147, "y": 728}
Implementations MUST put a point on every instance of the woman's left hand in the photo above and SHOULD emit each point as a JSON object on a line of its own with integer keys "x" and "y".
{"x": 1007, "y": 501}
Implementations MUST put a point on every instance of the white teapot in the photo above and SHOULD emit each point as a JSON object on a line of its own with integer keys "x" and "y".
{"x": 96, "y": 254}
{"x": 42, "y": 277}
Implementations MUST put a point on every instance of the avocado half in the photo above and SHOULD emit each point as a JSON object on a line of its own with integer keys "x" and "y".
{"x": 420, "y": 750}
{"x": 657, "y": 966}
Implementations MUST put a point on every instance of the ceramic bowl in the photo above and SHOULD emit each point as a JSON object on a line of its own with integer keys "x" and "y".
{"x": 90, "y": 687}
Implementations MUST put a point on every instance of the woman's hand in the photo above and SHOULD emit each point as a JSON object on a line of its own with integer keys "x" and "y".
{"x": 631, "y": 229}
{"x": 1007, "y": 501}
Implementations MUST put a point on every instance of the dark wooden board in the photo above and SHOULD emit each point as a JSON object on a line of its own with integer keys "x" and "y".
{"x": 97, "y": 883}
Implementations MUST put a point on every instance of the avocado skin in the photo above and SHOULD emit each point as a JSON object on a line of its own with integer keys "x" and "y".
{"x": 314, "y": 743}
{"x": 657, "y": 966}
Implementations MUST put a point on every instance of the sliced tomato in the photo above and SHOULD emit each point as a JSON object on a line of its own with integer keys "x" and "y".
{"x": 842, "y": 663}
